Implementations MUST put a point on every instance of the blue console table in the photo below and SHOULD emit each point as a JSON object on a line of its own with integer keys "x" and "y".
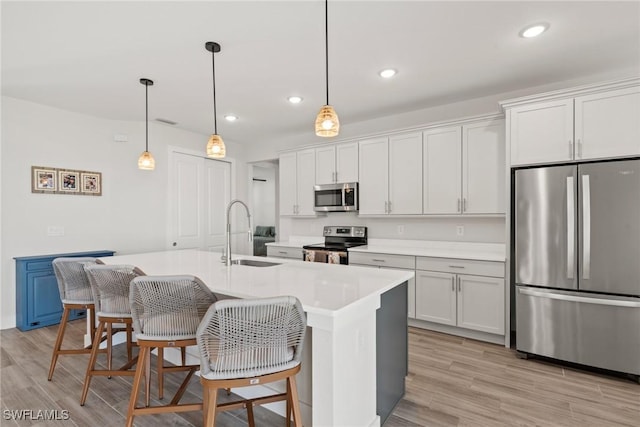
{"x": 37, "y": 297}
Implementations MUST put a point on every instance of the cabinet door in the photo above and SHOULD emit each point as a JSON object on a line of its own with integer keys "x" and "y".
{"x": 326, "y": 165}
{"x": 287, "y": 183}
{"x": 43, "y": 298}
{"x": 483, "y": 166}
{"x": 436, "y": 297}
{"x": 542, "y": 132}
{"x": 306, "y": 179}
{"x": 481, "y": 303}
{"x": 608, "y": 124}
{"x": 405, "y": 174}
{"x": 442, "y": 171}
{"x": 373, "y": 165}
{"x": 347, "y": 162}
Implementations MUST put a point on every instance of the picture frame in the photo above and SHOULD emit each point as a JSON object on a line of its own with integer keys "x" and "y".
{"x": 43, "y": 180}
{"x": 91, "y": 183}
{"x": 68, "y": 181}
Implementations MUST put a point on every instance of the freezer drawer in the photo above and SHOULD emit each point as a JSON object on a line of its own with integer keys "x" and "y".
{"x": 590, "y": 329}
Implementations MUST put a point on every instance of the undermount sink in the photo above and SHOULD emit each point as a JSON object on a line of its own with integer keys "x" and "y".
{"x": 253, "y": 263}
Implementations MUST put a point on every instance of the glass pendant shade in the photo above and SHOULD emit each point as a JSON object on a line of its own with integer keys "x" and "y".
{"x": 146, "y": 161}
{"x": 215, "y": 147}
{"x": 327, "y": 123}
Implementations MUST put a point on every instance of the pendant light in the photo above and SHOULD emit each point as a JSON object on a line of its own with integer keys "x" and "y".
{"x": 215, "y": 146}
{"x": 327, "y": 123}
{"x": 146, "y": 161}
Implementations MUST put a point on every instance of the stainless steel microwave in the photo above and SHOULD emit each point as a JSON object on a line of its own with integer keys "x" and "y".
{"x": 336, "y": 197}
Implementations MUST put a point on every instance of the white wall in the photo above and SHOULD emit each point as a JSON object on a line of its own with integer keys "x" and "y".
{"x": 130, "y": 216}
{"x": 264, "y": 196}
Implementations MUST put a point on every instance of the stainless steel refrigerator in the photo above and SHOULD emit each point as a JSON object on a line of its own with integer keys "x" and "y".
{"x": 576, "y": 263}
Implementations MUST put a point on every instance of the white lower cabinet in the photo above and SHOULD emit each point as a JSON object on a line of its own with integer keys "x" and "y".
{"x": 393, "y": 262}
{"x": 463, "y": 293}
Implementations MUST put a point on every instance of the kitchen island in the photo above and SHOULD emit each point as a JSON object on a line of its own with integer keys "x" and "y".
{"x": 356, "y": 348}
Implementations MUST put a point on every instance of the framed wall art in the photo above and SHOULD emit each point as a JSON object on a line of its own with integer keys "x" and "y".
{"x": 43, "y": 180}
{"x": 91, "y": 183}
{"x": 65, "y": 181}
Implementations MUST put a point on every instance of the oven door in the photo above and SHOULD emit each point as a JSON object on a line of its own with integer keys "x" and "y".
{"x": 325, "y": 256}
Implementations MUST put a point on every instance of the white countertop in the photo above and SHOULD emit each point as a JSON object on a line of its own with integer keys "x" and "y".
{"x": 325, "y": 289}
{"x": 297, "y": 242}
{"x": 460, "y": 250}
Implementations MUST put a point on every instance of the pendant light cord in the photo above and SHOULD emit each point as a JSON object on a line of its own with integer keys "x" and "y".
{"x": 146, "y": 102}
{"x": 215, "y": 116}
{"x": 326, "y": 45}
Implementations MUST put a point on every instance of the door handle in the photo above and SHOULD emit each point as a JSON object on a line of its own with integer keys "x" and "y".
{"x": 586, "y": 227}
{"x": 571, "y": 239}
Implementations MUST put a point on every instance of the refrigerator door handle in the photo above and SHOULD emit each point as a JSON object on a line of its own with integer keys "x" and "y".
{"x": 586, "y": 227}
{"x": 578, "y": 298}
{"x": 570, "y": 228}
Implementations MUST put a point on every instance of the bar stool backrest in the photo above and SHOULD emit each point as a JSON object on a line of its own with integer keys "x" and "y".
{"x": 168, "y": 307}
{"x": 243, "y": 338}
{"x": 73, "y": 282}
{"x": 110, "y": 286}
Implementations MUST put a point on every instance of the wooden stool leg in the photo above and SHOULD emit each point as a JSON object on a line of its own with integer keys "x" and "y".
{"x": 92, "y": 363}
{"x": 91, "y": 312}
{"x": 252, "y": 421}
{"x": 183, "y": 350}
{"x": 58, "y": 344}
{"x": 160, "y": 373}
{"x": 292, "y": 390}
{"x": 147, "y": 376}
{"x": 129, "y": 343}
{"x": 109, "y": 346}
{"x": 137, "y": 379}
{"x": 210, "y": 403}
{"x": 288, "y": 406}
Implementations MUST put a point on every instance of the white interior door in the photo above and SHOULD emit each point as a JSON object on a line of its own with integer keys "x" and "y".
{"x": 200, "y": 192}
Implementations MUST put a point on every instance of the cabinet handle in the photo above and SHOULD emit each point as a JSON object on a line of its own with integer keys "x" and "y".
{"x": 456, "y": 266}
{"x": 453, "y": 284}
{"x": 458, "y": 206}
{"x": 570, "y": 149}
{"x": 579, "y": 149}
{"x": 458, "y": 284}
{"x": 282, "y": 252}
{"x": 377, "y": 260}
{"x": 464, "y": 204}
{"x": 389, "y": 206}
{"x": 386, "y": 207}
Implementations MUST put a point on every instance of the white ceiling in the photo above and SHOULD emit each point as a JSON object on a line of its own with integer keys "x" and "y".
{"x": 89, "y": 56}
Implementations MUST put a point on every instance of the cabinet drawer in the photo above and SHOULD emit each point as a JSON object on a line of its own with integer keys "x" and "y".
{"x": 383, "y": 260}
{"x": 283, "y": 252}
{"x": 461, "y": 266}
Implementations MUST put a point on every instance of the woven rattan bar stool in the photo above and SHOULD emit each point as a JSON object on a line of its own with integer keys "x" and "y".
{"x": 75, "y": 294}
{"x": 245, "y": 342}
{"x": 110, "y": 286}
{"x": 166, "y": 312}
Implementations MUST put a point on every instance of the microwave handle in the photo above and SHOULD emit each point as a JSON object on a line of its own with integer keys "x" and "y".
{"x": 344, "y": 197}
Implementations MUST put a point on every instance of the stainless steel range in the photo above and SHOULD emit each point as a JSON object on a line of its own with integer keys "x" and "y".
{"x": 337, "y": 241}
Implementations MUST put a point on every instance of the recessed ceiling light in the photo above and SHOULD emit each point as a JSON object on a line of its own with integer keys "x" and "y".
{"x": 231, "y": 118}
{"x": 388, "y": 73}
{"x": 534, "y": 30}
{"x": 295, "y": 99}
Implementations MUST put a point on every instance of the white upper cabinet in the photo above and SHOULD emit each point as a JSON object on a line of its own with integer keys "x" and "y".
{"x": 483, "y": 168}
{"x": 442, "y": 175}
{"x": 337, "y": 163}
{"x": 405, "y": 174}
{"x": 373, "y": 164}
{"x": 464, "y": 169}
{"x": 590, "y": 123}
{"x": 297, "y": 178}
{"x": 542, "y": 132}
{"x": 391, "y": 175}
{"x": 607, "y": 124}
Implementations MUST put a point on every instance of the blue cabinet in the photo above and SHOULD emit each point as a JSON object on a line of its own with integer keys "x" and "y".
{"x": 37, "y": 298}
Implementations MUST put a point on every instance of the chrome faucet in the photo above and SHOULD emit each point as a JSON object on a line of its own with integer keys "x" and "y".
{"x": 226, "y": 257}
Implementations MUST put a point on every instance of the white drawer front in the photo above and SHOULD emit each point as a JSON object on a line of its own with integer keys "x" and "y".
{"x": 283, "y": 252}
{"x": 383, "y": 260}
{"x": 461, "y": 266}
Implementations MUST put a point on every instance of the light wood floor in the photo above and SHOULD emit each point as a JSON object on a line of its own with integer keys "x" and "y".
{"x": 452, "y": 382}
